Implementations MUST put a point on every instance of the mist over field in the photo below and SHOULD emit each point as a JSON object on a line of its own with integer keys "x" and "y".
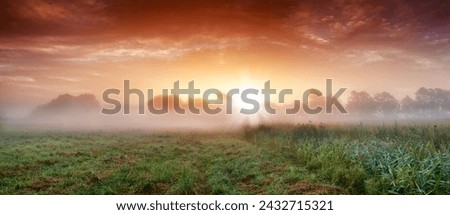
{"x": 84, "y": 112}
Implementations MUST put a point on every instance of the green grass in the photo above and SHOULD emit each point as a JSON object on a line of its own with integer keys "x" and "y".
{"x": 282, "y": 159}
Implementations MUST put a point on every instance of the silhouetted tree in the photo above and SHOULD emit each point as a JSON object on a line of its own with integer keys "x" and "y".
{"x": 428, "y": 102}
{"x": 433, "y": 100}
{"x": 361, "y": 102}
{"x": 68, "y": 105}
{"x": 386, "y": 103}
{"x": 425, "y": 99}
{"x": 408, "y": 105}
{"x": 443, "y": 98}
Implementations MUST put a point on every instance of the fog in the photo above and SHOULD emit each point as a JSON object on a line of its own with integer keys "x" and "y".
{"x": 80, "y": 120}
{"x": 84, "y": 113}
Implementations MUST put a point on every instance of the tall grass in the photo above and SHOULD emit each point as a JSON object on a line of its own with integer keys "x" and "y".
{"x": 366, "y": 160}
{"x": 276, "y": 159}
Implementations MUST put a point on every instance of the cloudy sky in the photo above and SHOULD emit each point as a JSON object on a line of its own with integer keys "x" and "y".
{"x": 49, "y": 48}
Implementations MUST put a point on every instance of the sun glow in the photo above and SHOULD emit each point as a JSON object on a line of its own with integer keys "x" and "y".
{"x": 249, "y": 98}
{"x": 238, "y": 102}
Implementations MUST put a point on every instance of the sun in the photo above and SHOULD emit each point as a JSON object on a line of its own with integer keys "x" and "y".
{"x": 256, "y": 104}
{"x": 239, "y": 103}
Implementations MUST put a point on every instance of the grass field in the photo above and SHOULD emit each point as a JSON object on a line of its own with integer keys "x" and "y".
{"x": 282, "y": 159}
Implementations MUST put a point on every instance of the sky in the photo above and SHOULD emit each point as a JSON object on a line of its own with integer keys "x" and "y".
{"x": 48, "y": 48}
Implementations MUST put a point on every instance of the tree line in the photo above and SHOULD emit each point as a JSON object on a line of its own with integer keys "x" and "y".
{"x": 427, "y": 102}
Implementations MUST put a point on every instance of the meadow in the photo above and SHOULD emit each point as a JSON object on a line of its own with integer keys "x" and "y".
{"x": 267, "y": 159}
